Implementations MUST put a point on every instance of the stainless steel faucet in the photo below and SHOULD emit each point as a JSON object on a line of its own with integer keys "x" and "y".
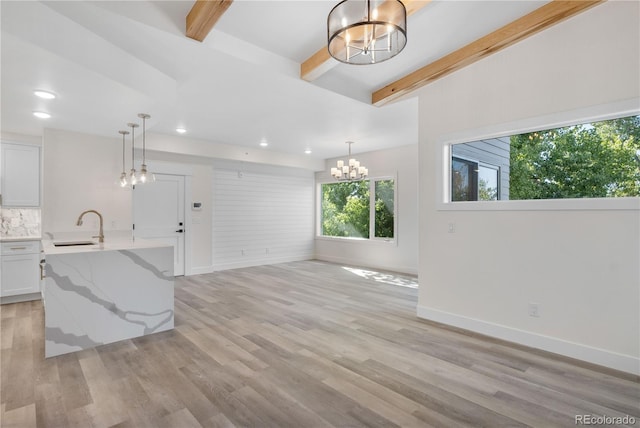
{"x": 101, "y": 232}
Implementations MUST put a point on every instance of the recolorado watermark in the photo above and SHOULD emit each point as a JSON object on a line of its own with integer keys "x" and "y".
{"x": 604, "y": 420}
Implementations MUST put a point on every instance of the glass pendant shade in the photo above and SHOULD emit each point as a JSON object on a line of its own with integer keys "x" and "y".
{"x": 366, "y": 31}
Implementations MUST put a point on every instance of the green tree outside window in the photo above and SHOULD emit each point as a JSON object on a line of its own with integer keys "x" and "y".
{"x": 584, "y": 161}
{"x": 346, "y": 209}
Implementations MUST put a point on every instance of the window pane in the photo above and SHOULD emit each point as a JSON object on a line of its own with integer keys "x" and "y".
{"x": 463, "y": 180}
{"x": 488, "y": 183}
{"x": 384, "y": 221}
{"x": 345, "y": 209}
{"x": 594, "y": 160}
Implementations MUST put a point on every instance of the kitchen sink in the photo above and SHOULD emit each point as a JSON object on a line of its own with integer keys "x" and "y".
{"x": 72, "y": 243}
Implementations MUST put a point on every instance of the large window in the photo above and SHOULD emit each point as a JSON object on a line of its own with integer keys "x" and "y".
{"x": 358, "y": 209}
{"x": 590, "y": 160}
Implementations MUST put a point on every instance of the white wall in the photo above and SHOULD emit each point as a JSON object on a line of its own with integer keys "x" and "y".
{"x": 400, "y": 256}
{"x": 81, "y": 172}
{"x": 261, "y": 214}
{"x": 581, "y": 265}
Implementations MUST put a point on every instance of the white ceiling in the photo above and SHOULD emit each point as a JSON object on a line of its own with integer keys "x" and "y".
{"x": 108, "y": 61}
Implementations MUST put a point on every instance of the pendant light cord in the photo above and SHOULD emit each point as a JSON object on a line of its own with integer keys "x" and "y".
{"x": 144, "y": 120}
{"x": 133, "y": 140}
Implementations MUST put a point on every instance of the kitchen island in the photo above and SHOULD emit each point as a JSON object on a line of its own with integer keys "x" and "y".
{"x": 100, "y": 293}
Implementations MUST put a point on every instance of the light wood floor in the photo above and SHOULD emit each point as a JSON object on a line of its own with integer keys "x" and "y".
{"x": 304, "y": 344}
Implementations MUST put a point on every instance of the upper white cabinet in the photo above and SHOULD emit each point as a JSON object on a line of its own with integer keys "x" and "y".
{"x": 20, "y": 175}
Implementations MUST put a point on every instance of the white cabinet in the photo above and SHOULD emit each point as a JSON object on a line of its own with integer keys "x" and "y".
{"x": 20, "y": 168}
{"x": 19, "y": 268}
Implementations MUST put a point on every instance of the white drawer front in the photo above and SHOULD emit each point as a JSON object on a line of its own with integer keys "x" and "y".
{"x": 20, "y": 247}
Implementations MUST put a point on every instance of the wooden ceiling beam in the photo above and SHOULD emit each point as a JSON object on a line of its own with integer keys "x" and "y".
{"x": 532, "y": 23}
{"x": 321, "y": 62}
{"x": 203, "y": 16}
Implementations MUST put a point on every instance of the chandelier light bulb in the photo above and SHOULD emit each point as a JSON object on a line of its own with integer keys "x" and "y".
{"x": 143, "y": 173}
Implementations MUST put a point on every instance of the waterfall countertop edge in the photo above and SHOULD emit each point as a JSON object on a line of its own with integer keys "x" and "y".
{"x": 108, "y": 245}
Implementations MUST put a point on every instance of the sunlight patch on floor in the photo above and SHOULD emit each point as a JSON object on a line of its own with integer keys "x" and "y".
{"x": 385, "y": 278}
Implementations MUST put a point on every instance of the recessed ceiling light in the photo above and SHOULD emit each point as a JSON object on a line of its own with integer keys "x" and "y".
{"x": 181, "y": 130}
{"x": 44, "y": 94}
{"x": 307, "y": 151}
{"x": 41, "y": 115}
{"x": 263, "y": 144}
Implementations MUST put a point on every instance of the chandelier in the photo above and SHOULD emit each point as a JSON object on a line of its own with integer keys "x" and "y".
{"x": 351, "y": 170}
{"x": 366, "y": 31}
{"x": 144, "y": 176}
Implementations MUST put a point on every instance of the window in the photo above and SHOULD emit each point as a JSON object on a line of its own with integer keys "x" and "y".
{"x": 488, "y": 182}
{"x": 590, "y": 160}
{"x": 384, "y": 209}
{"x": 358, "y": 209}
{"x": 474, "y": 181}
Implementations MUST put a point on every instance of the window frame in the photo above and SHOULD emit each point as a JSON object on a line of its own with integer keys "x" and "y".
{"x": 372, "y": 209}
{"x": 569, "y": 118}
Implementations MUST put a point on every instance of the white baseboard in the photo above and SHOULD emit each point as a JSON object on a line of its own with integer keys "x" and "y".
{"x": 201, "y": 270}
{"x": 352, "y": 262}
{"x": 602, "y": 357}
{"x": 261, "y": 261}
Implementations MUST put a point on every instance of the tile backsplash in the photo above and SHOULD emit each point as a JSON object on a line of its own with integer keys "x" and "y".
{"x": 20, "y": 222}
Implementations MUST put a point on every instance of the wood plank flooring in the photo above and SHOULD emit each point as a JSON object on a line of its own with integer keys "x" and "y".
{"x": 303, "y": 344}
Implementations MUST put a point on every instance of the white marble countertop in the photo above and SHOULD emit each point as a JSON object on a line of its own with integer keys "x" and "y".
{"x": 19, "y": 238}
{"x": 109, "y": 245}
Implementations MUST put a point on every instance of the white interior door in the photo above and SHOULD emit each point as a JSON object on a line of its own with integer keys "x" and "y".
{"x": 158, "y": 213}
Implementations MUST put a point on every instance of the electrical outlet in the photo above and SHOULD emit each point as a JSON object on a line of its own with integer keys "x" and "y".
{"x": 452, "y": 228}
{"x": 114, "y": 224}
{"x": 534, "y": 310}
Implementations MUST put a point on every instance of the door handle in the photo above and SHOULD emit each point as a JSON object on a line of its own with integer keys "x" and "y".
{"x": 179, "y": 230}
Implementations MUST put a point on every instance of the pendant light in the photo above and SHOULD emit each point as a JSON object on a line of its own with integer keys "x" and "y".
{"x": 133, "y": 178}
{"x": 123, "y": 176}
{"x": 350, "y": 171}
{"x": 145, "y": 176}
{"x": 366, "y": 31}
